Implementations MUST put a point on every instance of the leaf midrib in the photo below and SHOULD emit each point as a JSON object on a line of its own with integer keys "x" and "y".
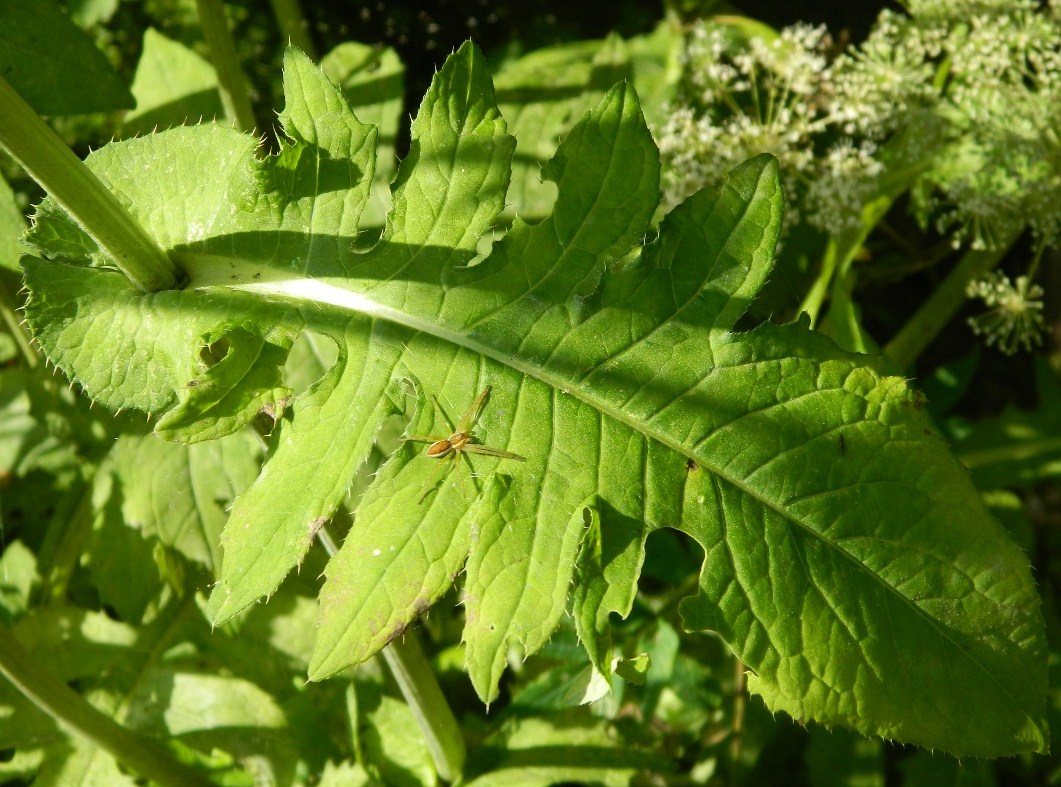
{"x": 203, "y": 271}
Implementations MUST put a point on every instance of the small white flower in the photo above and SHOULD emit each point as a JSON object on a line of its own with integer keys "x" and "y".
{"x": 1014, "y": 319}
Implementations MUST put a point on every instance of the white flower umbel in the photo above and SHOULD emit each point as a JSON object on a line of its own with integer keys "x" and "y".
{"x": 1014, "y": 319}
{"x": 963, "y": 93}
{"x": 765, "y": 97}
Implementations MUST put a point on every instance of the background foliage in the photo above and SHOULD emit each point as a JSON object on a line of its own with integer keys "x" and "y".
{"x": 112, "y": 537}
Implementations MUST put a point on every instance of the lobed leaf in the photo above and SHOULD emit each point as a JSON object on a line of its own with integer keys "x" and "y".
{"x": 849, "y": 562}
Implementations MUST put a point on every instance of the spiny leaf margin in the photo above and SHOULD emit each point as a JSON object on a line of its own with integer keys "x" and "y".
{"x": 732, "y": 438}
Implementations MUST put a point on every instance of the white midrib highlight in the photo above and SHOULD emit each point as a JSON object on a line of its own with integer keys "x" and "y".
{"x": 211, "y": 271}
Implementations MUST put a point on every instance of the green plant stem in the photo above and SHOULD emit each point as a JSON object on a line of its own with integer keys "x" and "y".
{"x": 839, "y": 253}
{"x": 418, "y": 685}
{"x": 292, "y": 24}
{"x": 353, "y": 713}
{"x": 234, "y": 95}
{"x": 69, "y": 529}
{"x": 942, "y": 305}
{"x": 736, "y": 743}
{"x": 812, "y": 301}
{"x": 51, "y": 695}
{"x": 8, "y": 307}
{"x": 73, "y": 185}
{"x": 422, "y": 694}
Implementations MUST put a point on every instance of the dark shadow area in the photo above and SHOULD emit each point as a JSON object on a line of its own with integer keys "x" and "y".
{"x": 195, "y": 107}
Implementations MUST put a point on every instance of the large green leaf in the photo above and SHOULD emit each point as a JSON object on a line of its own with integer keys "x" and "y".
{"x": 53, "y": 64}
{"x": 848, "y": 561}
{"x": 172, "y": 85}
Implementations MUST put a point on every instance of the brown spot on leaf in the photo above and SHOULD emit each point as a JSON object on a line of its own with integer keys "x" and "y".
{"x": 397, "y": 631}
{"x": 916, "y": 400}
{"x": 316, "y": 525}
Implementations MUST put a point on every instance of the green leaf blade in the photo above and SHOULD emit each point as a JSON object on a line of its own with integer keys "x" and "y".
{"x": 332, "y": 158}
{"x": 335, "y": 426}
{"x": 172, "y": 85}
{"x": 848, "y": 561}
{"x": 840, "y": 583}
{"x": 453, "y": 182}
{"x": 53, "y": 64}
{"x": 396, "y": 562}
{"x": 314, "y": 463}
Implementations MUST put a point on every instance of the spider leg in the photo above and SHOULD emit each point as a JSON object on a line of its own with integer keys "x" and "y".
{"x": 460, "y": 475}
{"x": 429, "y": 484}
{"x": 442, "y": 414}
{"x": 472, "y": 414}
{"x": 485, "y": 450}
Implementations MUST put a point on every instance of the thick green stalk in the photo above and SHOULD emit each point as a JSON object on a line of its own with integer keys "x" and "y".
{"x": 51, "y": 163}
{"x": 418, "y": 685}
{"x": 51, "y": 695}
{"x": 422, "y": 694}
{"x": 942, "y": 305}
{"x": 234, "y": 95}
{"x": 292, "y": 24}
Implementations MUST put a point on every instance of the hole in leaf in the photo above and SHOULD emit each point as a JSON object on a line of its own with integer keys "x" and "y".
{"x": 215, "y": 352}
{"x": 311, "y": 356}
{"x": 670, "y": 557}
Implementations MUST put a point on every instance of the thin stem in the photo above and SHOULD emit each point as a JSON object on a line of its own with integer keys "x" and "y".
{"x": 142, "y": 755}
{"x": 941, "y": 306}
{"x": 74, "y": 186}
{"x": 64, "y": 541}
{"x": 815, "y": 297}
{"x": 841, "y": 251}
{"x": 234, "y": 95}
{"x": 418, "y": 685}
{"x": 330, "y": 547}
{"x": 353, "y": 712}
{"x": 1037, "y": 258}
{"x": 736, "y": 743}
{"x": 8, "y": 307}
